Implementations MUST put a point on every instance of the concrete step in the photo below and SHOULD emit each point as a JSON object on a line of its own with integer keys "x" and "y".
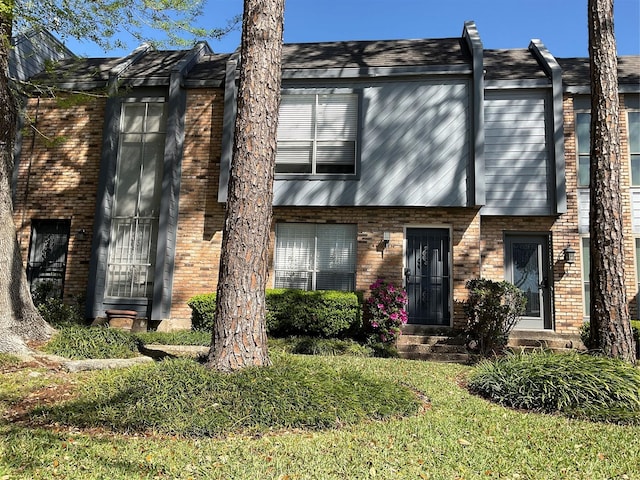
{"x": 431, "y": 349}
{"x": 463, "y": 358}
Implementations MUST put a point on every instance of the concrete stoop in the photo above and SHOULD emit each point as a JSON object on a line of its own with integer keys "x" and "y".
{"x": 424, "y": 343}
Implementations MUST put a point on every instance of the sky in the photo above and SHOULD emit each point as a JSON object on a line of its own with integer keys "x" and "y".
{"x": 560, "y": 24}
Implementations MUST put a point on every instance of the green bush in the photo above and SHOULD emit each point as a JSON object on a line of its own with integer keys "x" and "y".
{"x": 313, "y": 313}
{"x": 203, "y": 310}
{"x": 53, "y": 310}
{"x": 492, "y": 310}
{"x": 294, "y": 312}
{"x": 577, "y": 385}
{"x": 93, "y": 342}
{"x": 585, "y": 335}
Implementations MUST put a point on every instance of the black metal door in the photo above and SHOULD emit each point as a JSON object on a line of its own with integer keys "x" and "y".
{"x": 48, "y": 255}
{"x": 427, "y": 276}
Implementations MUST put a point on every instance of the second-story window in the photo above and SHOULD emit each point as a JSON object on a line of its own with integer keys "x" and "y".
{"x": 634, "y": 146}
{"x": 317, "y": 134}
{"x": 583, "y": 127}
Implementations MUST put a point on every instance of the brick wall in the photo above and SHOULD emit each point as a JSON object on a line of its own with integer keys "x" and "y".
{"x": 200, "y": 217}
{"x": 58, "y": 176}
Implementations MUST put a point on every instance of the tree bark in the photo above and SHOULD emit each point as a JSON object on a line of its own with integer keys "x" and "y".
{"x": 239, "y": 335}
{"x": 609, "y": 322}
{"x": 19, "y": 319}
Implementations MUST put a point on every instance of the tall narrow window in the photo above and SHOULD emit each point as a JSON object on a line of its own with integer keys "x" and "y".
{"x": 586, "y": 267}
{"x": 634, "y": 147}
{"x": 317, "y": 134}
{"x": 315, "y": 256}
{"x": 134, "y": 222}
{"x": 583, "y": 128}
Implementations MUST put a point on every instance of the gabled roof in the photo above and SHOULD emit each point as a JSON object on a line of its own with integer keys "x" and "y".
{"x": 576, "y": 71}
{"x": 379, "y": 53}
{"x": 513, "y": 64}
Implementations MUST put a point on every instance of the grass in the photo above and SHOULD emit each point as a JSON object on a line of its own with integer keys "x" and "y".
{"x": 460, "y": 436}
{"x": 79, "y": 342}
{"x": 183, "y": 397}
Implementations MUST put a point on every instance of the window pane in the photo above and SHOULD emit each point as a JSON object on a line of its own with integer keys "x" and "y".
{"x": 635, "y": 170}
{"x": 294, "y": 157}
{"x": 155, "y": 118}
{"x": 586, "y": 267}
{"x": 335, "y": 281}
{"x": 133, "y": 117}
{"x": 295, "y": 246}
{"x": 583, "y": 171}
{"x": 151, "y": 175}
{"x": 336, "y": 247}
{"x": 337, "y": 117}
{"x": 583, "y": 127}
{"x": 634, "y": 132}
{"x": 296, "y": 117}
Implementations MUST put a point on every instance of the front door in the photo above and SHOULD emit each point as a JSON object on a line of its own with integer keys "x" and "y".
{"x": 427, "y": 276}
{"x": 47, "y": 263}
{"x": 527, "y": 267}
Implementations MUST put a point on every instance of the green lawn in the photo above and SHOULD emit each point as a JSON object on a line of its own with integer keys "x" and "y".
{"x": 459, "y": 436}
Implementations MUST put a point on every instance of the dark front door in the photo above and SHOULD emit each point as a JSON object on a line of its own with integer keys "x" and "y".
{"x": 427, "y": 275}
{"x": 528, "y": 268}
{"x": 48, "y": 255}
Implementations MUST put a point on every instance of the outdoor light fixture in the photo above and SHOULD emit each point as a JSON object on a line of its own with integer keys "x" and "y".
{"x": 81, "y": 235}
{"x": 569, "y": 255}
{"x": 384, "y": 243}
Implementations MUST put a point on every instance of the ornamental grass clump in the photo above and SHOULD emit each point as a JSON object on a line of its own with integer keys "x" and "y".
{"x": 385, "y": 311}
{"x": 577, "y": 385}
{"x": 93, "y": 342}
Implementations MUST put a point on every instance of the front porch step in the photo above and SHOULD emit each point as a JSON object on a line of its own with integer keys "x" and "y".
{"x": 419, "y": 344}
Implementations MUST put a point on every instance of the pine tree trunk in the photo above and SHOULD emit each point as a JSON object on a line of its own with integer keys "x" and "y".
{"x": 610, "y": 325}
{"x": 239, "y": 334}
{"x": 19, "y": 319}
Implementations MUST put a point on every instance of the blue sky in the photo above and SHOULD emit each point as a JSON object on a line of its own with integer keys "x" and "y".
{"x": 560, "y": 24}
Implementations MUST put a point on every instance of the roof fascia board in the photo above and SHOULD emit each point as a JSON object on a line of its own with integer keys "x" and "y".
{"x": 553, "y": 70}
{"x": 368, "y": 72}
{"x": 203, "y": 83}
{"x": 586, "y": 89}
{"x": 522, "y": 83}
{"x": 477, "y": 192}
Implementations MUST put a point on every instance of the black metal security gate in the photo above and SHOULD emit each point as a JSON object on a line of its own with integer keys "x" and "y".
{"x": 427, "y": 276}
{"x": 48, "y": 255}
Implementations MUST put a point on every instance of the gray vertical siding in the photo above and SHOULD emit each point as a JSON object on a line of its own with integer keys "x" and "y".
{"x": 415, "y": 150}
{"x": 517, "y": 159}
{"x": 31, "y": 52}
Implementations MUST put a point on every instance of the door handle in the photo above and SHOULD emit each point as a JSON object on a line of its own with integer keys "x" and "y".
{"x": 407, "y": 272}
{"x": 544, "y": 283}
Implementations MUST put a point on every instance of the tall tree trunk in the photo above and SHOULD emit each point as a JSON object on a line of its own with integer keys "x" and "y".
{"x": 19, "y": 319}
{"x": 239, "y": 335}
{"x": 610, "y": 325}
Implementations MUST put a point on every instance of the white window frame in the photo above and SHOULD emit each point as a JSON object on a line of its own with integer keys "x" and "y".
{"x": 340, "y": 133}
{"x": 300, "y": 270}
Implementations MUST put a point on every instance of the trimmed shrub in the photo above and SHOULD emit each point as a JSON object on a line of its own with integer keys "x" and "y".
{"x": 93, "y": 342}
{"x": 294, "y": 312}
{"x": 577, "y": 385}
{"x": 492, "y": 310}
{"x": 325, "y": 314}
{"x": 203, "y": 310}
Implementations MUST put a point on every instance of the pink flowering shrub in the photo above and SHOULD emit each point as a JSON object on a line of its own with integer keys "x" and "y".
{"x": 385, "y": 311}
